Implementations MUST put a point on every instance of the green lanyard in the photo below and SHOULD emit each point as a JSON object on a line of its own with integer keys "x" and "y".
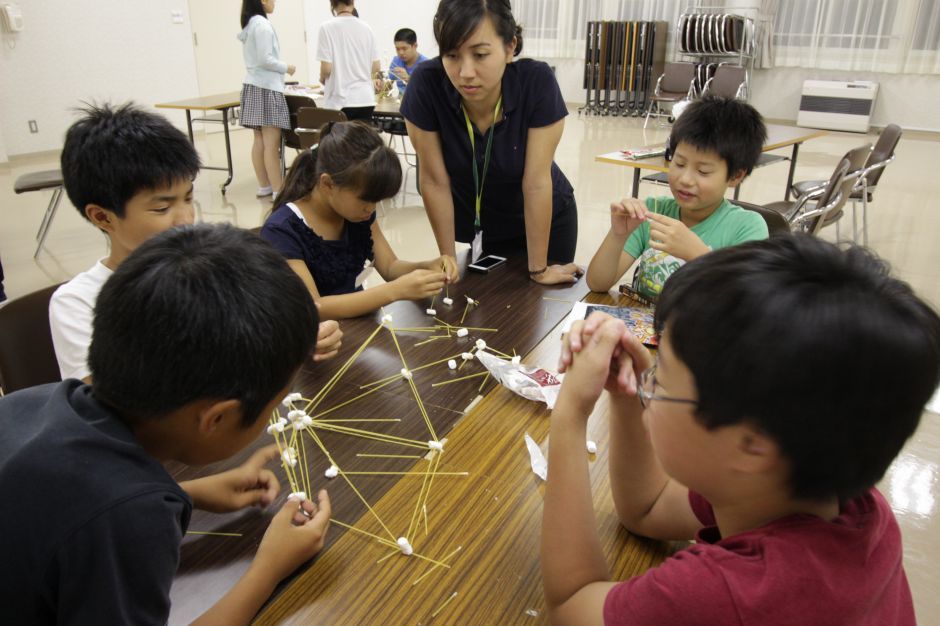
{"x": 477, "y": 181}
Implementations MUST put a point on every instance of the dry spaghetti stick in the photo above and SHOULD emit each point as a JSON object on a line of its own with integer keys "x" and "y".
{"x": 387, "y": 556}
{"x": 486, "y": 378}
{"x": 424, "y": 484}
{"x": 214, "y": 534}
{"x": 353, "y": 487}
{"x": 363, "y": 419}
{"x": 445, "y": 559}
{"x": 390, "y": 456}
{"x": 315, "y": 401}
{"x": 557, "y": 300}
{"x": 482, "y": 330}
{"x": 365, "y": 434}
{"x": 414, "y": 388}
{"x": 446, "y": 602}
{"x": 464, "y": 316}
{"x": 406, "y": 473}
{"x": 388, "y": 543}
{"x": 351, "y": 400}
{"x": 417, "y": 369}
{"x": 456, "y": 380}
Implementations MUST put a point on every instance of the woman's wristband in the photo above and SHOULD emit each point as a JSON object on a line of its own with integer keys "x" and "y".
{"x": 534, "y": 273}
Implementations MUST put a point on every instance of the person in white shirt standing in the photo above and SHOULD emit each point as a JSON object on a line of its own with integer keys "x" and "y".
{"x": 349, "y": 62}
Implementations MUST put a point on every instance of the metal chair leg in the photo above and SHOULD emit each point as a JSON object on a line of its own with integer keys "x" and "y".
{"x": 47, "y": 218}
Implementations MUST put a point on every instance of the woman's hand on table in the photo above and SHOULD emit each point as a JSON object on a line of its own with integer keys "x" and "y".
{"x": 558, "y": 274}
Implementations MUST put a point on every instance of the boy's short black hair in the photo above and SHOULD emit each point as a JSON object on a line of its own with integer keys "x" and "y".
{"x": 407, "y": 35}
{"x": 819, "y": 347}
{"x": 113, "y": 153}
{"x": 733, "y": 129}
{"x": 199, "y": 312}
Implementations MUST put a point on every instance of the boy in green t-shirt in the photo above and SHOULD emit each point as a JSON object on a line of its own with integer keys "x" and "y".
{"x": 716, "y": 143}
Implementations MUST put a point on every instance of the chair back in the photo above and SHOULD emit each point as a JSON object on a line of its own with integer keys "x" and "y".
{"x": 677, "y": 78}
{"x": 309, "y": 122}
{"x": 883, "y": 150}
{"x": 27, "y": 357}
{"x": 833, "y": 198}
{"x": 294, "y": 105}
{"x": 776, "y": 222}
{"x": 727, "y": 81}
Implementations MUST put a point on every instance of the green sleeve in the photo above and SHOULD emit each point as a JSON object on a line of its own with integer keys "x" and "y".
{"x": 754, "y": 228}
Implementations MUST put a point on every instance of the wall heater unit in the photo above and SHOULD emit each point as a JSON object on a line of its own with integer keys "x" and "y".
{"x": 836, "y": 105}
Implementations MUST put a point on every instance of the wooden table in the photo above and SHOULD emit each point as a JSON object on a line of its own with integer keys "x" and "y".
{"x": 493, "y": 515}
{"x": 778, "y": 136}
{"x": 222, "y": 102}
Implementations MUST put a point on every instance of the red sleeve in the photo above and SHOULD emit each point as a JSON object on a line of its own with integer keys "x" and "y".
{"x": 702, "y": 509}
{"x": 687, "y": 589}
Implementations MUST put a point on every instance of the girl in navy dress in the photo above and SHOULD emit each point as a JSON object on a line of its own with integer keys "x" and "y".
{"x": 326, "y": 226}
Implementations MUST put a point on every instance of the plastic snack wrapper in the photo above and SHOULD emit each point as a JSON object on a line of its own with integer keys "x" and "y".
{"x": 532, "y": 383}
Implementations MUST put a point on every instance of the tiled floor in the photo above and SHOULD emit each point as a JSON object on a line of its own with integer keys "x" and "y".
{"x": 903, "y": 227}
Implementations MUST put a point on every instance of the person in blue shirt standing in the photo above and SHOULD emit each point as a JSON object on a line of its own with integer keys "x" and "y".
{"x": 406, "y": 59}
{"x": 485, "y": 128}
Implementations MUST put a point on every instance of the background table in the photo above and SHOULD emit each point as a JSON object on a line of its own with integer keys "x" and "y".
{"x": 222, "y": 102}
{"x": 778, "y": 136}
{"x": 494, "y": 513}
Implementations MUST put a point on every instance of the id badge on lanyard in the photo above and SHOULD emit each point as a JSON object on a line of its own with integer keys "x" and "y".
{"x": 478, "y": 181}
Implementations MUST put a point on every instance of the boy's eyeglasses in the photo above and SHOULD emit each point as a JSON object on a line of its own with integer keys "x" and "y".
{"x": 648, "y": 385}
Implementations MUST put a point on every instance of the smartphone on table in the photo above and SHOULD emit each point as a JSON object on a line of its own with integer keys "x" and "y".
{"x": 486, "y": 263}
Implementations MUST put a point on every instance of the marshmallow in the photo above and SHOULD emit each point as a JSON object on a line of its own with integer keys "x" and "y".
{"x": 452, "y": 364}
{"x": 447, "y": 301}
{"x": 279, "y": 427}
{"x": 462, "y": 332}
{"x": 591, "y": 447}
{"x": 467, "y": 356}
{"x": 406, "y": 373}
{"x": 387, "y": 318}
{"x": 299, "y": 425}
{"x": 405, "y": 546}
{"x": 436, "y": 445}
{"x": 289, "y": 456}
{"x": 307, "y": 420}
{"x": 481, "y": 345}
{"x": 292, "y": 397}
{"x": 272, "y": 429}
{"x": 300, "y": 496}
{"x": 295, "y": 415}
{"x": 431, "y": 311}
{"x": 470, "y": 300}
{"x": 516, "y": 360}
{"x": 331, "y": 471}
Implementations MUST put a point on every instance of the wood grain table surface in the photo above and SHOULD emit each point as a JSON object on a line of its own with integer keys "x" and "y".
{"x": 487, "y": 522}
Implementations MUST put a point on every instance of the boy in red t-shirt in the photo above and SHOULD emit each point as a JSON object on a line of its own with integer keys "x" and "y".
{"x": 789, "y": 375}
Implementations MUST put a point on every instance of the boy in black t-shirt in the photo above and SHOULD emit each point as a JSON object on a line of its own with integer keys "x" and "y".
{"x": 188, "y": 353}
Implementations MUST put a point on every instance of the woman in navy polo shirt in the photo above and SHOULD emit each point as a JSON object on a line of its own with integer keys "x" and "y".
{"x": 485, "y": 129}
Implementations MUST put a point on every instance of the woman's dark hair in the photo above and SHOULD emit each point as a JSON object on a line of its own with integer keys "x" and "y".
{"x": 354, "y": 156}
{"x": 816, "y": 346}
{"x": 199, "y": 312}
{"x": 456, "y": 20}
{"x": 337, "y": 3}
{"x": 251, "y": 8}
